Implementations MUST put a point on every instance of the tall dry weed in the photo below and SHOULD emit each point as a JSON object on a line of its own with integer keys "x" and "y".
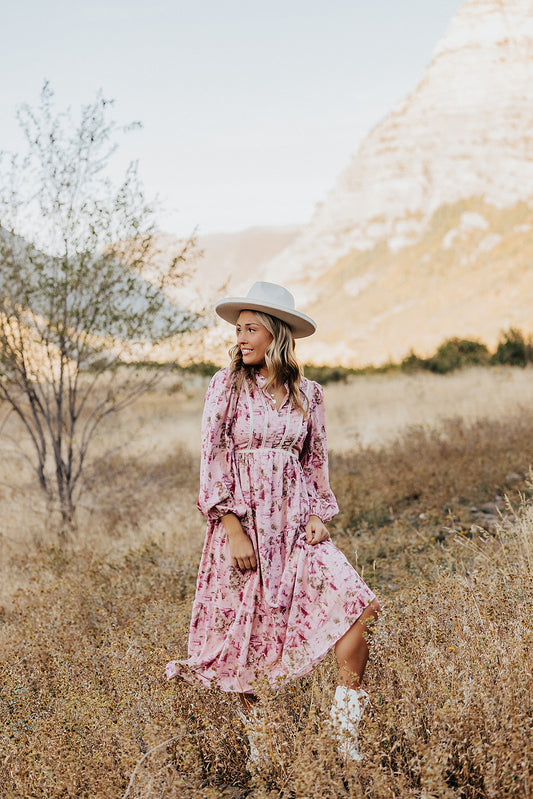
{"x": 85, "y": 710}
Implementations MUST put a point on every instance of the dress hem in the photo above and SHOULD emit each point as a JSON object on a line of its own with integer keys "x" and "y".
{"x": 193, "y": 676}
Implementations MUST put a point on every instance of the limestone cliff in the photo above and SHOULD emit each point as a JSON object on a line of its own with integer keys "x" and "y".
{"x": 428, "y": 231}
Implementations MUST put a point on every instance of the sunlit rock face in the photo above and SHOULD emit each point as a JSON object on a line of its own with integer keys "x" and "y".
{"x": 428, "y": 233}
{"x": 466, "y": 132}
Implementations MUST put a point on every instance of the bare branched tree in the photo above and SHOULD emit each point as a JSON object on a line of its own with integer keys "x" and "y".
{"x": 82, "y": 289}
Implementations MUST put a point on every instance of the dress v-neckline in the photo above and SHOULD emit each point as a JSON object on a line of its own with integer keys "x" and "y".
{"x": 261, "y": 380}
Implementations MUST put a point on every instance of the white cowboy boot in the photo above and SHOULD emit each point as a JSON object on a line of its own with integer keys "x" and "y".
{"x": 254, "y": 725}
{"x": 346, "y": 713}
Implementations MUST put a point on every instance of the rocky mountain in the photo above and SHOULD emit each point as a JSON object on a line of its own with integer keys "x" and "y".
{"x": 226, "y": 260}
{"x": 470, "y": 274}
{"x": 428, "y": 232}
{"x": 229, "y": 257}
{"x": 226, "y": 264}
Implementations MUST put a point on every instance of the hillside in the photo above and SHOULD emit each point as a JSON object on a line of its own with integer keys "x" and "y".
{"x": 226, "y": 260}
{"x": 470, "y": 274}
{"x": 427, "y": 233}
{"x": 466, "y": 131}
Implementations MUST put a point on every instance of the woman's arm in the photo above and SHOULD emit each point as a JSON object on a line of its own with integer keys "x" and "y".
{"x": 240, "y": 547}
{"x": 322, "y": 503}
{"x": 219, "y": 489}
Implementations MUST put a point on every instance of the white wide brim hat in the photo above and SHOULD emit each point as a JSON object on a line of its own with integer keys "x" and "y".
{"x": 272, "y": 299}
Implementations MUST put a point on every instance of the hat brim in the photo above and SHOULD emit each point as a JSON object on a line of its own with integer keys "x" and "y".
{"x": 300, "y": 324}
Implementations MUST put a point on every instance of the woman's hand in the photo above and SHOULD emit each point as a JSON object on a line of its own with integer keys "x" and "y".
{"x": 240, "y": 547}
{"x": 316, "y": 531}
{"x": 242, "y": 552}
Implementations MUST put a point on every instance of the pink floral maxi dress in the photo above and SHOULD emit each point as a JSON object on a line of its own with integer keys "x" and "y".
{"x": 270, "y": 468}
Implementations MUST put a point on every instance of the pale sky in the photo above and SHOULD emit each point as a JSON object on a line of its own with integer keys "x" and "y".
{"x": 250, "y": 110}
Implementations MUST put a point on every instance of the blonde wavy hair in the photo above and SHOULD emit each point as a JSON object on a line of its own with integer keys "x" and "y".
{"x": 280, "y": 358}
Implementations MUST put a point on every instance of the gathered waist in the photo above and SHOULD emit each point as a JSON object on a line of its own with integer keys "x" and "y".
{"x": 248, "y": 450}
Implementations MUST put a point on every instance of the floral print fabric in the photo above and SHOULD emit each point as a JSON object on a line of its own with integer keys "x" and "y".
{"x": 269, "y": 466}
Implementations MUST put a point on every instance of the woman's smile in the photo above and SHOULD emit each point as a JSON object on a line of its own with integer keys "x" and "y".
{"x": 253, "y": 339}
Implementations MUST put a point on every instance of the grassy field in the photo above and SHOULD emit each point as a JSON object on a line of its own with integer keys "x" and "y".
{"x": 432, "y": 475}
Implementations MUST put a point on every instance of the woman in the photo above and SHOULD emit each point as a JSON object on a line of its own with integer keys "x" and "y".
{"x": 274, "y": 594}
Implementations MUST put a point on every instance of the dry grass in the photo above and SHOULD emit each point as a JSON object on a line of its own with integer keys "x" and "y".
{"x": 86, "y": 629}
{"x": 375, "y": 408}
{"x": 366, "y": 410}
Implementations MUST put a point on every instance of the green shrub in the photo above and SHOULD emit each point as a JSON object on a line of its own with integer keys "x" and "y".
{"x": 328, "y": 374}
{"x": 412, "y": 362}
{"x": 204, "y": 368}
{"x": 455, "y": 353}
{"x": 513, "y": 349}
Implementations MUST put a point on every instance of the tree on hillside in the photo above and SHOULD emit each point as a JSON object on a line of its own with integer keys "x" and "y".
{"x": 82, "y": 289}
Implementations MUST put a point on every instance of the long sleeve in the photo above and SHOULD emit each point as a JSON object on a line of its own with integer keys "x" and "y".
{"x": 315, "y": 459}
{"x": 219, "y": 485}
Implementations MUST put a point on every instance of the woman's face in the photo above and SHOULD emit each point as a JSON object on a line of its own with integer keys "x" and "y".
{"x": 252, "y": 338}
